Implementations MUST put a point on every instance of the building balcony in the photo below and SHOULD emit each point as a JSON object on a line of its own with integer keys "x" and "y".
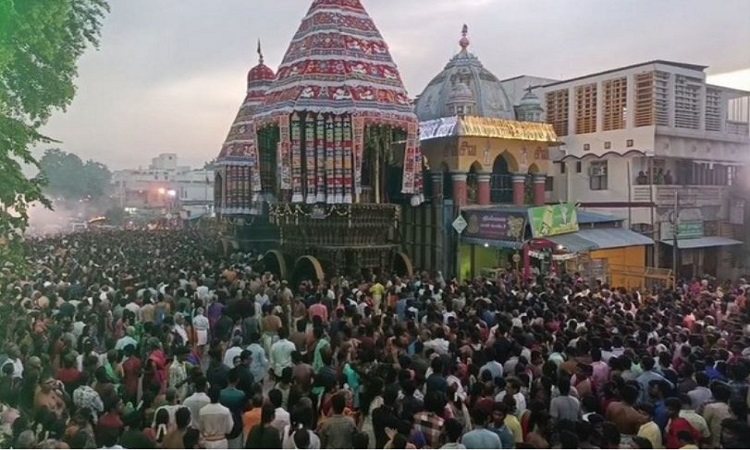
{"x": 689, "y": 195}
{"x": 738, "y": 128}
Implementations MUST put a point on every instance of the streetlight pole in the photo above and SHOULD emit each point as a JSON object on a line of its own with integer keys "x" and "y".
{"x": 675, "y": 231}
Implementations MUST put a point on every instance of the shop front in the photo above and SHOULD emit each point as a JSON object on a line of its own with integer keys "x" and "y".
{"x": 698, "y": 253}
{"x": 513, "y": 239}
{"x": 554, "y": 239}
{"x": 492, "y": 242}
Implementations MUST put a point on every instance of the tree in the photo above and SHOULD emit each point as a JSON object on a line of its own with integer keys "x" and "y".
{"x": 40, "y": 44}
{"x": 69, "y": 178}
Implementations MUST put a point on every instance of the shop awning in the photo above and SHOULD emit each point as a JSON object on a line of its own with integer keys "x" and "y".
{"x": 514, "y": 245}
{"x": 704, "y": 242}
{"x": 573, "y": 242}
{"x": 605, "y": 238}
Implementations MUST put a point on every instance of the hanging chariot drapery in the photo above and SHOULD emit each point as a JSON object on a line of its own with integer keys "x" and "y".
{"x": 256, "y": 185}
{"x": 284, "y": 155}
{"x": 358, "y": 141}
{"x": 412, "y": 181}
{"x": 310, "y": 160}
{"x": 338, "y": 161}
{"x": 347, "y": 162}
{"x": 296, "y": 159}
{"x": 320, "y": 166}
{"x": 330, "y": 161}
{"x": 321, "y": 159}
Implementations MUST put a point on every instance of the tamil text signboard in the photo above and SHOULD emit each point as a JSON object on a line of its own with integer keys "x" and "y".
{"x": 552, "y": 220}
{"x": 495, "y": 225}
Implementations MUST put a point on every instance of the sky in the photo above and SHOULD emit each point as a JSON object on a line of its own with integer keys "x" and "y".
{"x": 169, "y": 75}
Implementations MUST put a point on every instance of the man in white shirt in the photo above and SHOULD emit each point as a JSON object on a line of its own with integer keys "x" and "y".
{"x": 196, "y": 402}
{"x": 233, "y": 352}
{"x": 438, "y": 343}
{"x": 215, "y": 422}
{"x": 513, "y": 388}
{"x": 281, "y": 353}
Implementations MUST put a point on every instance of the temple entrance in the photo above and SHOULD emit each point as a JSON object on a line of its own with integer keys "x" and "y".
{"x": 501, "y": 182}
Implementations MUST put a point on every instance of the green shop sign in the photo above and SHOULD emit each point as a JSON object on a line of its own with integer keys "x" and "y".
{"x": 552, "y": 220}
{"x": 685, "y": 230}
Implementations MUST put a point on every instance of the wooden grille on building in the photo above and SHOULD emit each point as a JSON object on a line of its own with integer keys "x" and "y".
{"x": 661, "y": 98}
{"x": 557, "y": 111}
{"x": 586, "y": 109}
{"x": 615, "y": 103}
{"x": 687, "y": 112}
{"x": 643, "y": 114}
{"x": 713, "y": 109}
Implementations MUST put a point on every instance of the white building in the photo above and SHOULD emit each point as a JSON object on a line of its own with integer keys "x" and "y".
{"x": 166, "y": 186}
{"x": 638, "y": 138}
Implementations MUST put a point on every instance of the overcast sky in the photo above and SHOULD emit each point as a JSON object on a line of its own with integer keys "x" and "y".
{"x": 170, "y": 74}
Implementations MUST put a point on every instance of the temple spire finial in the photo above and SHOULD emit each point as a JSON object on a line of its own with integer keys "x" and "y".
{"x": 260, "y": 53}
{"x": 464, "y": 42}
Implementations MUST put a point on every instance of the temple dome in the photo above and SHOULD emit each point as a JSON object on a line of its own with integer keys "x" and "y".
{"x": 530, "y": 108}
{"x": 464, "y": 68}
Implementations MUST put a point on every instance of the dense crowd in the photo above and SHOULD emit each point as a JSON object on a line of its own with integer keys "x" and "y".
{"x": 157, "y": 340}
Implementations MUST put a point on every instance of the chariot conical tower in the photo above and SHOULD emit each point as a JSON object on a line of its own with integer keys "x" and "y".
{"x": 338, "y": 146}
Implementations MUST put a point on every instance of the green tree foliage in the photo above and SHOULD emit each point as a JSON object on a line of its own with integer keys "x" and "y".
{"x": 69, "y": 178}
{"x": 40, "y": 44}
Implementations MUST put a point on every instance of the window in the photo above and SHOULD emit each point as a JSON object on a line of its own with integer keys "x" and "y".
{"x": 557, "y": 111}
{"x": 615, "y": 103}
{"x": 549, "y": 184}
{"x": 579, "y": 167}
{"x": 562, "y": 167}
{"x": 598, "y": 176}
{"x": 586, "y": 109}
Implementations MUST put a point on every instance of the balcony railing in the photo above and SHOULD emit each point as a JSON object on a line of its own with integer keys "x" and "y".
{"x": 739, "y": 128}
{"x": 662, "y": 195}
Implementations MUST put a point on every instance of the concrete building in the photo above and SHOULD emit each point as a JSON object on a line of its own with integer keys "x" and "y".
{"x": 644, "y": 141}
{"x": 166, "y": 187}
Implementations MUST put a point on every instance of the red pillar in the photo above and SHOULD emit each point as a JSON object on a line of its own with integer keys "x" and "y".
{"x": 483, "y": 188}
{"x": 519, "y": 189}
{"x": 540, "y": 184}
{"x": 459, "y": 189}
{"x": 436, "y": 178}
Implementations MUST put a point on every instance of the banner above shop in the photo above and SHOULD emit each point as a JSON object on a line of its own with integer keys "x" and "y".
{"x": 495, "y": 225}
{"x": 685, "y": 230}
{"x": 552, "y": 220}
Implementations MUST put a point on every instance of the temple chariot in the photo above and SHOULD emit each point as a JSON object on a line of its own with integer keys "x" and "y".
{"x": 323, "y": 153}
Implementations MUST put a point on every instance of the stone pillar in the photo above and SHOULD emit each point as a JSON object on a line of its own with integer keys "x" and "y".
{"x": 519, "y": 189}
{"x": 459, "y": 189}
{"x": 483, "y": 188}
{"x": 436, "y": 178}
{"x": 540, "y": 187}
